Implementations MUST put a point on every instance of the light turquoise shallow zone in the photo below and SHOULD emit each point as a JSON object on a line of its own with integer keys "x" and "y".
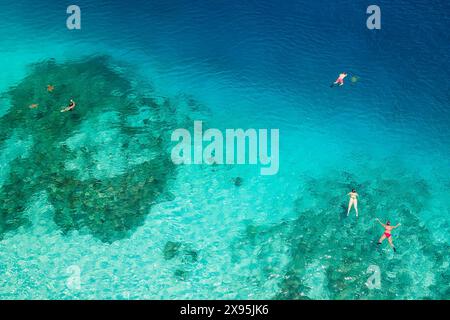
{"x": 93, "y": 209}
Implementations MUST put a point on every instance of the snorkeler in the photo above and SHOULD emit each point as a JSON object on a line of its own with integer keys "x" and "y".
{"x": 387, "y": 233}
{"x": 340, "y": 80}
{"x": 353, "y": 201}
{"x": 72, "y": 105}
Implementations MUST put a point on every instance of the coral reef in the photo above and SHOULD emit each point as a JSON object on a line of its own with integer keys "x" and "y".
{"x": 103, "y": 164}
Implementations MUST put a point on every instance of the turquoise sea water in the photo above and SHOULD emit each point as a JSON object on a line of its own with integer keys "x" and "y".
{"x": 93, "y": 193}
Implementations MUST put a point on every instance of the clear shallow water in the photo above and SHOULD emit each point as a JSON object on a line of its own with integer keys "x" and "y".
{"x": 195, "y": 234}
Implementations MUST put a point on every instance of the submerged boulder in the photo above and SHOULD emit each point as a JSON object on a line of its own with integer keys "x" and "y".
{"x": 238, "y": 181}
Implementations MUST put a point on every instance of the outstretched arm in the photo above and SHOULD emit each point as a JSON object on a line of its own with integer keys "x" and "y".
{"x": 398, "y": 225}
{"x": 380, "y": 222}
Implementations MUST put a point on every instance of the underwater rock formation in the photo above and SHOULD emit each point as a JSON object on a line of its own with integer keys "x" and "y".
{"x": 171, "y": 249}
{"x": 184, "y": 256}
{"x": 238, "y": 181}
{"x": 103, "y": 164}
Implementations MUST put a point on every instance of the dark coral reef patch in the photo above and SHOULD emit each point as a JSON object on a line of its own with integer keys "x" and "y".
{"x": 103, "y": 164}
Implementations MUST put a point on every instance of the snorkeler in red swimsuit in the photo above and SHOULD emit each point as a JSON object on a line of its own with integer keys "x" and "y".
{"x": 387, "y": 233}
{"x": 340, "y": 80}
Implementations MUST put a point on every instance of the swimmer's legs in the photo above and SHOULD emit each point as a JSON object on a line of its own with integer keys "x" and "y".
{"x": 381, "y": 239}
{"x": 356, "y": 206}
{"x": 350, "y": 203}
{"x": 337, "y": 82}
{"x": 391, "y": 243}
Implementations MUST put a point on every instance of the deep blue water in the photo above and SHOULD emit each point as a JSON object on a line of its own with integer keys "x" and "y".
{"x": 262, "y": 64}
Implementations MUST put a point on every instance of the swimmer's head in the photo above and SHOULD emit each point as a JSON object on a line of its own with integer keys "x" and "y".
{"x": 353, "y": 190}
{"x": 388, "y": 223}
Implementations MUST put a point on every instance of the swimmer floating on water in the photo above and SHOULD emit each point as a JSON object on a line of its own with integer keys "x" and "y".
{"x": 340, "y": 80}
{"x": 70, "y": 107}
{"x": 387, "y": 233}
{"x": 353, "y": 201}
